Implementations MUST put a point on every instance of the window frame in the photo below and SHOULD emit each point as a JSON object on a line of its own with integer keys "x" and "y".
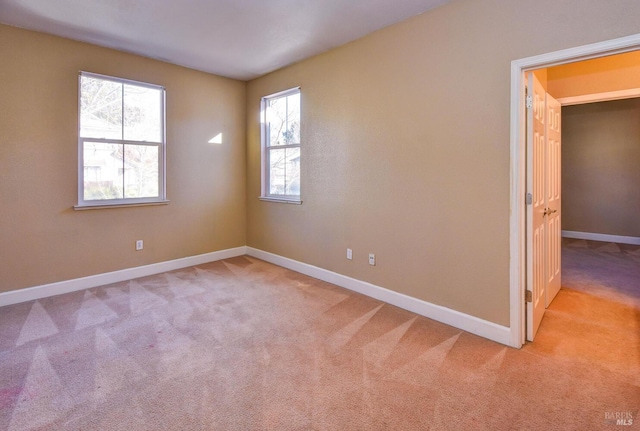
{"x": 266, "y": 149}
{"x": 161, "y": 198}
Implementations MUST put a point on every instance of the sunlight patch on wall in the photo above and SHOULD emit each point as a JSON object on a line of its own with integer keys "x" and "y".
{"x": 216, "y": 139}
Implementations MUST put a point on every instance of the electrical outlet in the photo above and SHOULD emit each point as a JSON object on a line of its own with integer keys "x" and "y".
{"x": 372, "y": 259}
{"x": 349, "y": 254}
{"x": 139, "y": 245}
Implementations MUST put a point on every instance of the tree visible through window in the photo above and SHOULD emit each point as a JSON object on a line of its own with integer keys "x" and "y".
{"x": 121, "y": 142}
{"x": 281, "y": 145}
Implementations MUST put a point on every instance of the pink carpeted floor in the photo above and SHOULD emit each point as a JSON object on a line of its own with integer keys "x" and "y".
{"x": 241, "y": 344}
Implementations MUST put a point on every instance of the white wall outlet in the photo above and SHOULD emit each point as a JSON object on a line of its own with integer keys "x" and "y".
{"x": 139, "y": 245}
{"x": 349, "y": 254}
{"x": 372, "y": 259}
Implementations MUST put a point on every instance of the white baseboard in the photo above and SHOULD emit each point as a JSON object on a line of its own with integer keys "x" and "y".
{"x": 601, "y": 237}
{"x": 466, "y": 322}
{"x": 46, "y": 290}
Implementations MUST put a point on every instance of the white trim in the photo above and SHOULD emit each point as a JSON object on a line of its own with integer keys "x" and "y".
{"x": 517, "y": 238}
{"x": 137, "y": 204}
{"x": 601, "y": 237}
{"x": 517, "y": 225}
{"x": 600, "y": 97}
{"x": 121, "y": 80}
{"x": 287, "y": 92}
{"x": 445, "y": 315}
{"x": 296, "y": 201}
{"x": 46, "y": 290}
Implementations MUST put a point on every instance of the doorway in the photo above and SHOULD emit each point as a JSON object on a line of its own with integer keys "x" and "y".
{"x": 520, "y": 237}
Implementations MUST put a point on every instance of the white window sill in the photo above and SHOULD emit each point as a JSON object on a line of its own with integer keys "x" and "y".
{"x": 280, "y": 200}
{"x": 106, "y": 206}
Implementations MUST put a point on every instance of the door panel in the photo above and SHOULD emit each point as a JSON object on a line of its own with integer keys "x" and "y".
{"x": 553, "y": 198}
{"x": 536, "y": 184}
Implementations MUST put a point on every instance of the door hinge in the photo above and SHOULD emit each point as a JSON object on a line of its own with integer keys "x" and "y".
{"x": 529, "y": 102}
{"x": 528, "y": 199}
{"x": 528, "y": 296}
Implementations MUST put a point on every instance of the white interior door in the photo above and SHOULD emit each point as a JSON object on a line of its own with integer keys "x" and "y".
{"x": 536, "y": 235}
{"x": 544, "y": 212}
{"x": 553, "y": 208}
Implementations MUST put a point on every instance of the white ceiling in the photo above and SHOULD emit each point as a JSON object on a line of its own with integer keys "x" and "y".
{"x": 241, "y": 39}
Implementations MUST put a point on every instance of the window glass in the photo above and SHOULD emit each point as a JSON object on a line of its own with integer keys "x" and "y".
{"x": 100, "y": 108}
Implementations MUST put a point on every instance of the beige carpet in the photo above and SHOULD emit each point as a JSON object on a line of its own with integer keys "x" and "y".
{"x": 244, "y": 345}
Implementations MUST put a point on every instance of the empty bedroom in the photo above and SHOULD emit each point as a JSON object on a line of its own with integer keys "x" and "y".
{"x": 282, "y": 215}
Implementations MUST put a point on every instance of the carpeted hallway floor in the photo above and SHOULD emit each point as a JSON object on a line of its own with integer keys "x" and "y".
{"x": 242, "y": 344}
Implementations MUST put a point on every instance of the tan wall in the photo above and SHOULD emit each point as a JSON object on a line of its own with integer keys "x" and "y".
{"x": 600, "y": 174}
{"x": 405, "y": 140}
{"x": 42, "y": 239}
{"x": 600, "y": 75}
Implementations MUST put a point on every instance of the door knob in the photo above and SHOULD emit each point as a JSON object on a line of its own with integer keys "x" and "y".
{"x": 548, "y": 211}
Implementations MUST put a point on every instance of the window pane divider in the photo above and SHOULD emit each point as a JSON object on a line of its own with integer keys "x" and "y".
{"x": 283, "y": 147}
{"x": 119, "y": 141}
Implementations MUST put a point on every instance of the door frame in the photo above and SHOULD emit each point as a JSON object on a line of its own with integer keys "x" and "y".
{"x": 517, "y": 223}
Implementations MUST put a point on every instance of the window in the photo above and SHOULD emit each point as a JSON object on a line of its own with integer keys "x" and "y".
{"x": 281, "y": 146}
{"x": 121, "y": 144}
